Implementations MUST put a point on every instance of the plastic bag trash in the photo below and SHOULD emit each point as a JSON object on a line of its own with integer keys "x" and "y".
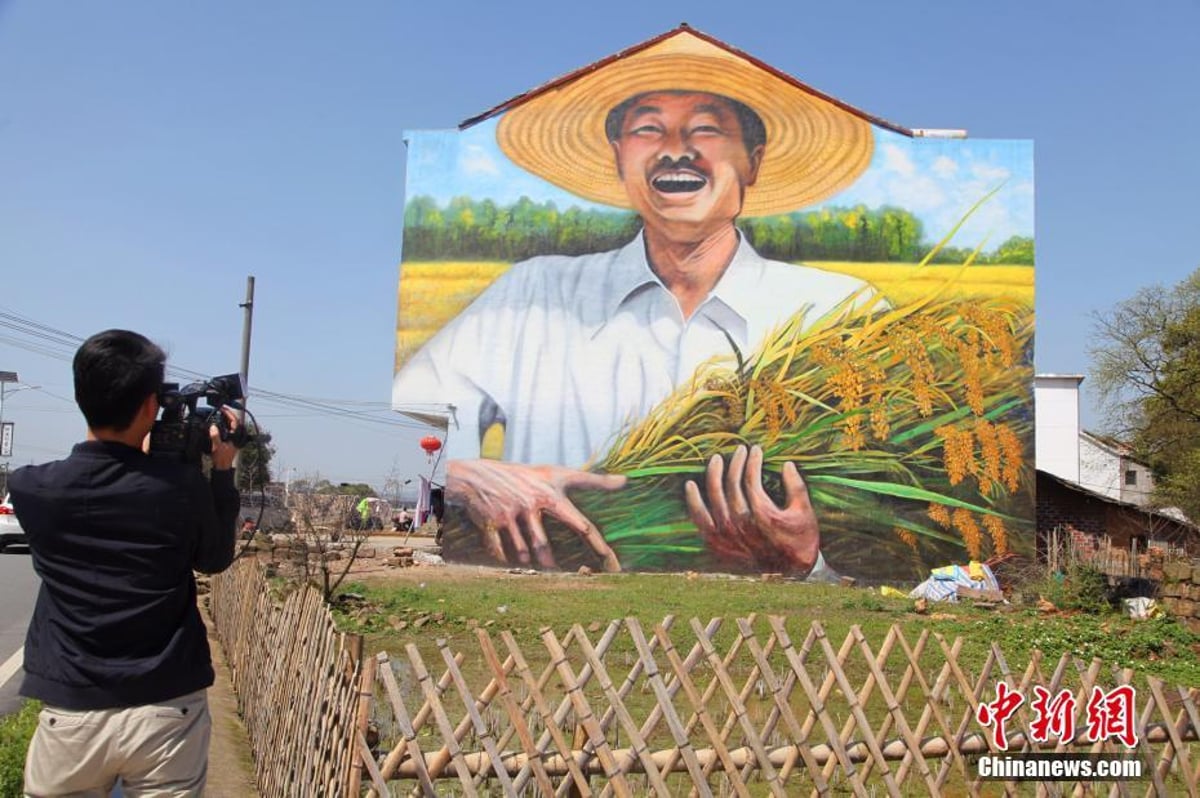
{"x": 943, "y": 582}
{"x": 1142, "y": 608}
{"x": 891, "y": 592}
{"x": 427, "y": 558}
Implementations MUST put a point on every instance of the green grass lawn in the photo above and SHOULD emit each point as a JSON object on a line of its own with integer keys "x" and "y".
{"x": 16, "y": 731}
{"x": 456, "y": 601}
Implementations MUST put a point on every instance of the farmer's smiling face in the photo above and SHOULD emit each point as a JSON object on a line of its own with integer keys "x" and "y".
{"x": 683, "y": 161}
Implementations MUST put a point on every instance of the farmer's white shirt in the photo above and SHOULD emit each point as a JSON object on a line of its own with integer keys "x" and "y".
{"x": 568, "y": 351}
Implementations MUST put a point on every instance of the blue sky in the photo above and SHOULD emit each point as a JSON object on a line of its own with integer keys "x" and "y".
{"x": 939, "y": 180}
{"x": 153, "y": 154}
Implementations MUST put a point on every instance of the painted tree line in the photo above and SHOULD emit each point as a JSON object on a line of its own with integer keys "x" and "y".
{"x": 467, "y": 229}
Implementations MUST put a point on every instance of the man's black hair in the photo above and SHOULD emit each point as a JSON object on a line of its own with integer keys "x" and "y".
{"x": 754, "y": 132}
{"x": 115, "y": 371}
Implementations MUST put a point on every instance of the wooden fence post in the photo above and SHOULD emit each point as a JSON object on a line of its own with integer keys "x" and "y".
{"x": 366, "y": 690}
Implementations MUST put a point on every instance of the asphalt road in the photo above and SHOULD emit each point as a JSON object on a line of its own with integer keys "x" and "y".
{"x": 18, "y": 592}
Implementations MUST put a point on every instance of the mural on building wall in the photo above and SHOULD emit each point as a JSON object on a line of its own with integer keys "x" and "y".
{"x": 679, "y": 312}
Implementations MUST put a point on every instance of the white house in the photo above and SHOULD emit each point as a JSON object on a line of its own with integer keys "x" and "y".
{"x": 1096, "y": 463}
{"x": 1107, "y": 466}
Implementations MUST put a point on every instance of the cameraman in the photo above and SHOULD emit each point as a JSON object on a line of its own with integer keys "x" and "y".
{"x": 116, "y": 649}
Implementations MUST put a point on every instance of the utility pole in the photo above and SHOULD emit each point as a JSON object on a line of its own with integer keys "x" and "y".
{"x": 247, "y": 323}
{"x": 5, "y": 378}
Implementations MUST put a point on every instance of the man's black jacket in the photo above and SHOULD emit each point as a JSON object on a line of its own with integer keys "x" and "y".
{"x": 115, "y": 535}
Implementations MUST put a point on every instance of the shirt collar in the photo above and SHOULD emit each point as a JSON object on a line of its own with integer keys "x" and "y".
{"x": 738, "y": 287}
{"x": 630, "y": 273}
{"x": 111, "y": 448}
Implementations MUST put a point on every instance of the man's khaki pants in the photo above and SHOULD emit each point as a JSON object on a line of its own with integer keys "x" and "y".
{"x": 157, "y": 750}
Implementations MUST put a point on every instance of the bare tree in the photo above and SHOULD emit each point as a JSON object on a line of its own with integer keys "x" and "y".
{"x": 324, "y": 545}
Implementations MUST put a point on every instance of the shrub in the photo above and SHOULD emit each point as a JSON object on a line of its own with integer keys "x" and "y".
{"x": 1080, "y": 587}
{"x": 1085, "y": 588}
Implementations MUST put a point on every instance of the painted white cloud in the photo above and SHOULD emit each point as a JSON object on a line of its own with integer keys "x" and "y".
{"x": 475, "y": 160}
{"x": 944, "y": 168}
{"x": 993, "y": 173}
{"x": 896, "y": 159}
{"x": 939, "y": 181}
{"x": 919, "y": 193}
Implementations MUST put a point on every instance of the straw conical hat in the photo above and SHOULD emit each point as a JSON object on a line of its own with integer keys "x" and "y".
{"x": 814, "y": 148}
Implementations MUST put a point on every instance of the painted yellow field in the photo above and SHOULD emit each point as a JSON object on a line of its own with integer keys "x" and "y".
{"x": 903, "y": 283}
{"x": 432, "y": 293}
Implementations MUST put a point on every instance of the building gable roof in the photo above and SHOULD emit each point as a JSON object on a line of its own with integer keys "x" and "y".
{"x": 683, "y": 30}
{"x": 1163, "y": 513}
{"x": 1108, "y": 443}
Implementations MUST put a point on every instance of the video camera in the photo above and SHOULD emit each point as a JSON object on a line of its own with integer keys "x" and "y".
{"x": 181, "y": 433}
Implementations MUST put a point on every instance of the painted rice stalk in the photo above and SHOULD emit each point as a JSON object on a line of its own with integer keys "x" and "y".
{"x": 887, "y": 412}
{"x": 911, "y": 425}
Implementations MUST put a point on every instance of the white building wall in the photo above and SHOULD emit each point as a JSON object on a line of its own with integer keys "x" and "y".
{"x": 1107, "y": 470}
{"x": 1099, "y": 468}
{"x": 1056, "y": 424}
{"x": 1139, "y": 492}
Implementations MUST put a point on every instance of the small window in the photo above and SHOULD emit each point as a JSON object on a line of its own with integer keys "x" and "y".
{"x": 1131, "y": 477}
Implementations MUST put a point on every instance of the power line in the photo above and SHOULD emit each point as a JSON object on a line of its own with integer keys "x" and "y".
{"x": 61, "y": 345}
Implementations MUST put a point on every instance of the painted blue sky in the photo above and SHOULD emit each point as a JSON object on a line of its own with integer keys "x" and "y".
{"x": 154, "y": 154}
{"x": 936, "y": 179}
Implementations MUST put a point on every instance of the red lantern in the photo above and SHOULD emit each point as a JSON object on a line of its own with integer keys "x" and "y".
{"x": 430, "y": 444}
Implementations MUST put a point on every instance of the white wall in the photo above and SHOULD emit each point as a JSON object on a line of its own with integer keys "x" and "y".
{"x": 1056, "y": 424}
{"x": 1103, "y": 469}
{"x": 1140, "y": 493}
{"x": 1100, "y": 469}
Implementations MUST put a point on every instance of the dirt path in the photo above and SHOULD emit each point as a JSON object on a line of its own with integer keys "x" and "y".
{"x": 230, "y": 765}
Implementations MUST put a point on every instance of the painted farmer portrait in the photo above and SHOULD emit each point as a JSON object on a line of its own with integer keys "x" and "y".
{"x": 554, "y": 366}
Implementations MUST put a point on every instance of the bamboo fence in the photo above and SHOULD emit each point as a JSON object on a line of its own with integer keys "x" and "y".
{"x": 746, "y": 707}
{"x": 297, "y": 681}
{"x": 696, "y": 710}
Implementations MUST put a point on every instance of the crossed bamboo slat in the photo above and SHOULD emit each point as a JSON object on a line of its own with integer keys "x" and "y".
{"x": 715, "y": 717}
{"x": 712, "y": 709}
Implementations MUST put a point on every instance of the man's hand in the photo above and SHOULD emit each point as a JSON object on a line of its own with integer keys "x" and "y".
{"x": 506, "y": 501}
{"x": 223, "y": 452}
{"x": 741, "y": 523}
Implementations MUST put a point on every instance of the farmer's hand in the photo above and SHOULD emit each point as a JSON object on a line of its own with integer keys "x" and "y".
{"x": 223, "y": 452}
{"x": 508, "y": 499}
{"x": 741, "y": 523}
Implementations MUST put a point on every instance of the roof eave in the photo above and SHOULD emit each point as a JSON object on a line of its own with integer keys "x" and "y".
{"x": 525, "y": 97}
{"x": 1110, "y": 500}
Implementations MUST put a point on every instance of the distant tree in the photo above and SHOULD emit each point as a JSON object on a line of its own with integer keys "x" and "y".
{"x": 322, "y": 486}
{"x": 1017, "y": 250}
{"x": 300, "y": 485}
{"x": 955, "y": 255}
{"x": 254, "y": 463}
{"x": 468, "y": 229}
{"x": 359, "y": 489}
{"x": 1146, "y": 363}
